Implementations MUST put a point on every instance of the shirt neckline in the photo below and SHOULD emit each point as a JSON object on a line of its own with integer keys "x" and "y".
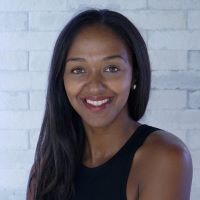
{"x": 94, "y": 169}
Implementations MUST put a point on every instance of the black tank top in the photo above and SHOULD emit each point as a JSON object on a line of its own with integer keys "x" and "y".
{"x": 108, "y": 181}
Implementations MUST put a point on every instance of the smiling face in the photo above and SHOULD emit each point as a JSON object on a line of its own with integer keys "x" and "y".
{"x": 98, "y": 67}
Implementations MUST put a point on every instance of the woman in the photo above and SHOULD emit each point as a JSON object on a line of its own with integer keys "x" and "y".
{"x": 91, "y": 145}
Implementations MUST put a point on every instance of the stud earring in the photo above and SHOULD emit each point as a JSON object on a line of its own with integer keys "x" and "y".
{"x": 134, "y": 87}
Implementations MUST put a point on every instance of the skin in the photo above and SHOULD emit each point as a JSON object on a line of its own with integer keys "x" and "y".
{"x": 98, "y": 48}
{"x": 162, "y": 166}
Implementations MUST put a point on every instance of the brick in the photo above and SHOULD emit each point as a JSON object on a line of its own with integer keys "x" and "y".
{"x": 13, "y": 60}
{"x": 13, "y": 21}
{"x": 18, "y": 195}
{"x": 23, "y": 81}
{"x": 37, "y": 100}
{"x": 194, "y": 60}
{"x": 180, "y": 40}
{"x": 34, "y": 136}
{"x": 13, "y": 179}
{"x": 196, "y": 175}
{"x": 18, "y": 159}
{"x": 40, "y": 60}
{"x": 175, "y": 80}
{"x": 13, "y": 194}
{"x": 171, "y": 4}
{"x": 5, "y": 193}
{"x": 21, "y": 5}
{"x": 118, "y": 4}
{"x": 13, "y": 101}
{"x": 20, "y": 120}
{"x": 195, "y": 158}
{"x": 27, "y": 40}
{"x": 48, "y": 21}
{"x": 167, "y": 99}
{"x": 195, "y": 193}
{"x": 151, "y": 20}
{"x": 13, "y": 140}
{"x": 193, "y": 19}
{"x": 168, "y": 59}
{"x": 173, "y": 119}
{"x": 193, "y": 139}
{"x": 194, "y": 99}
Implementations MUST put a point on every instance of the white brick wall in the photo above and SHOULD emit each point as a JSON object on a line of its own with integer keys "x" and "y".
{"x": 22, "y": 81}
{"x": 27, "y": 40}
{"x": 13, "y": 21}
{"x": 39, "y": 21}
{"x": 12, "y": 60}
{"x": 186, "y": 79}
{"x": 136, "y": 4}
{"x": 39, "y": 60}
{"x": 168, "y": 59}
{"x": 32, "y": 5}
{"x": 171, "y": 4}
{"x": 151, "y": 19}
{"x": 180, "y": 40}
{"x": 13, "y": 101}
{"x": 28, "y": 30}
{"x": 193, "y": 20}
{"x": 194, "y": 59}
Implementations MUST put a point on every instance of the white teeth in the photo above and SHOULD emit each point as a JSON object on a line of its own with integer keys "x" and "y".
{"x": 97, "y": 103}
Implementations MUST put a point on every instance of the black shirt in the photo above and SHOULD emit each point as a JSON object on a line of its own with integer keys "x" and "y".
{"x": 108, "y": 181}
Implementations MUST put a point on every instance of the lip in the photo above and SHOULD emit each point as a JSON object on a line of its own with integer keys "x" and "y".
{"x": 96, "y": 108}
{"x": 97, "y": 98}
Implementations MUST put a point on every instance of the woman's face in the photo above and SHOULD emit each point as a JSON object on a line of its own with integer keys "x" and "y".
{"x": 98, "y": 76}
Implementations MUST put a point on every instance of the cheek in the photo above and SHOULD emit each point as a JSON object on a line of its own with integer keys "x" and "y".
{"x": 71, "y": 88}
{"x": 121, "y": 85}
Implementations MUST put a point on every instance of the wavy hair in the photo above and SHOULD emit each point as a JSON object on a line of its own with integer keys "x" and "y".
{"x": 60, "y": 145}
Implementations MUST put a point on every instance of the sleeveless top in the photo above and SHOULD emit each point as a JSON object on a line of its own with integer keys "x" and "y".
{"x": 108, "y": 181}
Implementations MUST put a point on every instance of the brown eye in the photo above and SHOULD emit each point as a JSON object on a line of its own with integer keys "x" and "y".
{"x": 77, "y": 70}
{"x": 112, "y": 68}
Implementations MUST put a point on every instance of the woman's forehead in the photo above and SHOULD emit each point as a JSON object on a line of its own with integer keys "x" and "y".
{"x": 99, "y": 40}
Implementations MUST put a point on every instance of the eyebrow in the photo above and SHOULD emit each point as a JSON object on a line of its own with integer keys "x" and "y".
{"x": 105, "y": 58}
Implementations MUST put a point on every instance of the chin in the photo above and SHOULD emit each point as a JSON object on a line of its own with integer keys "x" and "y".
{"x": 95, "y": 123}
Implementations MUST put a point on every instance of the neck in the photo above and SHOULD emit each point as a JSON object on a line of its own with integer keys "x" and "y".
{"x": 103, "y": 142}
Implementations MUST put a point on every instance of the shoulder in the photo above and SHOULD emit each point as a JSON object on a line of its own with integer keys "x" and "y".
{"x": 164, "y": 141}
{"x": 166, "y": 146}
{"x": 163, "y": 148}
{"x": 164, "y": 160}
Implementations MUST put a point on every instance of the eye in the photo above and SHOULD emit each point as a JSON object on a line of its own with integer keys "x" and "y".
{"x": 112, "y": 68}
{"x": 77, "y": 70}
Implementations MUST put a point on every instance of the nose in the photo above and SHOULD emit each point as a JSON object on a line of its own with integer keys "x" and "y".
{"x": 95, "y": 84}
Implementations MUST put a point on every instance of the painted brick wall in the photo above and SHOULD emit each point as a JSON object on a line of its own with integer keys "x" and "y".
{"x": 28, "y": 30}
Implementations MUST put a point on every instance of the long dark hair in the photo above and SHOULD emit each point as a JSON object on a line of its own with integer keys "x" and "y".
{"x": 61, "y": 142}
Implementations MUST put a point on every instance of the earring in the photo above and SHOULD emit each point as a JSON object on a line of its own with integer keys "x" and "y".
{"x": 133, "y": 87}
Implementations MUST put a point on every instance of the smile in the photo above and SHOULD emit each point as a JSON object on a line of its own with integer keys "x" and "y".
{"x": 95, "y": 105}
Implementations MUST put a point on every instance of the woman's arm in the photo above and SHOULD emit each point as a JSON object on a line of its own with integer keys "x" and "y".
{"x": 168, "y": 175}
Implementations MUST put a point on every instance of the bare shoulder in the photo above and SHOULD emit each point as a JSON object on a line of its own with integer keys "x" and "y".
{"x": 165, "y": 147}
{"x": 164, "y": 140}
{"x": 163, "y": 144}
{"x": 164, "y": 165}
